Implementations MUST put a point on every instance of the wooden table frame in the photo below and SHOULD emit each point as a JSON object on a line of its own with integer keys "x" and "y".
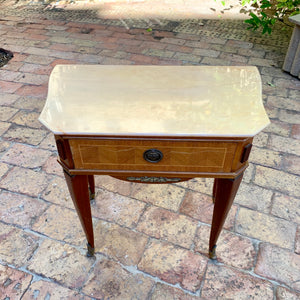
{"x": 78, "y": 157}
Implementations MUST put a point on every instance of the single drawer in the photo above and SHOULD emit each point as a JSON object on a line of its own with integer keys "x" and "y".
{"x": 153, "y": 155}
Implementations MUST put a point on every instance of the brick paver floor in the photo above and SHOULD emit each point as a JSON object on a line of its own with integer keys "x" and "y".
{"x": 151, "y": 240}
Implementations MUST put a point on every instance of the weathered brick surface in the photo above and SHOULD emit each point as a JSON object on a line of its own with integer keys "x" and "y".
{"x": 4, "y": 146}
{"x": 215, "y": 40}
{"x": 239, "y": 44}
{"x": 289, "y": 116}
{"x": 176, "y": 48}
{"x": 7, "y": 99}
{"x": 294, "y": 94}
{"x": 14, "y": 240}
{"x": 206, "y": 52}
{"x": 6, "y": 113}
{"x": 226, "y": 283}
{"x": 186, "y": 57}
{"x": 9, "y": 75}
{"x": 26, "y": 156}
{"x": 44, "y": 289}
{"x": 4, "y": 127}
{"x": 27, "y": 118}
{"x": 296, "y": 131}
{"x": 60, "y": 224}
{"x": 252, "y": 52}
{"x": 284, "y": 144}
{"x": 51, "y": 166}
{"x": 9, "y": 87}
{"x": 168, "y": 197}
{"x": 165, "y": 292}
{"x": 277, "y": 180}
{"x": 249, "y": 173}
{"x": 20, "y": 209}
{"x": 25, "y": 135}
{"x": 29, "y": 103}
{"x": 232, "y": 250}
{"x": 110, "y": 281}
{"x": 119, "y": 243}
{"x": 13, "y": 283}
{"x": 261, "y": 139}
{"x": 234, "y": 59}
{"x": 286, "y": 207}
{"x": 62, "y": 263}
{"x": 114, "y": 185}
{"x": 254, "y": 197}
{"x": 202, "y": 185}
{"x": 200, "y": 207}
{"x": 38, "y": 91}
{"x": 163, "y": 224}
{"x": 143, "y": 59}
{"x": 279, "y": 264}
{"x": 285, "y": 103}
{"x": 266, "y": 228}
{"x": 36, "y": 59}
{"x": 297, "y": 241}
{"x": 13, "y": 66}
{"x": 291, "y": 164}
{"x": 266, "y": 157}
{"x": 285, "y": 294}
{"x": 30, "y": 78}
{"x": 214, "y": 61}
{"x": 256, "y": 61}
{"x": 279, "y": 128}
{"x": 272, "y": 112}
{"x": 117, "y": 208}
{"x": 24, "y": 181}
{"x": 57, "y": 192}
{"x": 3, "y": 169}
{"x": 48, "y": 143}
{"x": 160, "y": 53}
{"x": 291, "y": 83}
{"x": 173, "y": 265}
{"x": 48, "y": 53}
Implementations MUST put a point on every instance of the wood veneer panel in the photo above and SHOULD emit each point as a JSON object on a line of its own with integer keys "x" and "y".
{"x": 180, "y": 156}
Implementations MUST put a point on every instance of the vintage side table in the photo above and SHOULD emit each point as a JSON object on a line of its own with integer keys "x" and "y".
{"x": 154, "y": 124}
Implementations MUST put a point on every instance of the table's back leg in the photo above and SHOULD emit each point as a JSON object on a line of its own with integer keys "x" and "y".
{"x": 91, "y": 186}
{"x": 78, "y": 188}
{"x": 223, "y": 193}
{"x": 215, "y": 187}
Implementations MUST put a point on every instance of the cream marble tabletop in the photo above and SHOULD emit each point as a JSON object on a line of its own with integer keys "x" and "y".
{"x": 155, "y": 101}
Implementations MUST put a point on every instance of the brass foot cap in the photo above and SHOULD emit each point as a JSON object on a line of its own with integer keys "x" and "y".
{"x": 212, "y": 253}
{"x": 91, "y": 195}
{"x": 90, "y": 250}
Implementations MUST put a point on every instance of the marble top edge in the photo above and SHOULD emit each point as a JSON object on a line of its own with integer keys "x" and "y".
{"x": 95, "y": 66}
{"x": 154, "y": 134}
{"x": 154, "y": 101}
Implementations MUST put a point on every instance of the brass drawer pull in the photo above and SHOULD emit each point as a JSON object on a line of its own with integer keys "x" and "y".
{"x": 153, "y": 155}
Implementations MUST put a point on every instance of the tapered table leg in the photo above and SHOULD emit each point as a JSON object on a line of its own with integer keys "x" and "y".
{"x": 78, "y": 188}
{"x": 223, "y": 193}
{"x": 215, "y": 189}
{"x": 91, "y": 186}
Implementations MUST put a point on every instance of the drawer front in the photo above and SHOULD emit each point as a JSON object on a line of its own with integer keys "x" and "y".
{"x": 145, "y": 155}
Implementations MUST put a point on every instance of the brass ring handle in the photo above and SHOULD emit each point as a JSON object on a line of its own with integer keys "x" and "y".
{"x": 153, "y": 155}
